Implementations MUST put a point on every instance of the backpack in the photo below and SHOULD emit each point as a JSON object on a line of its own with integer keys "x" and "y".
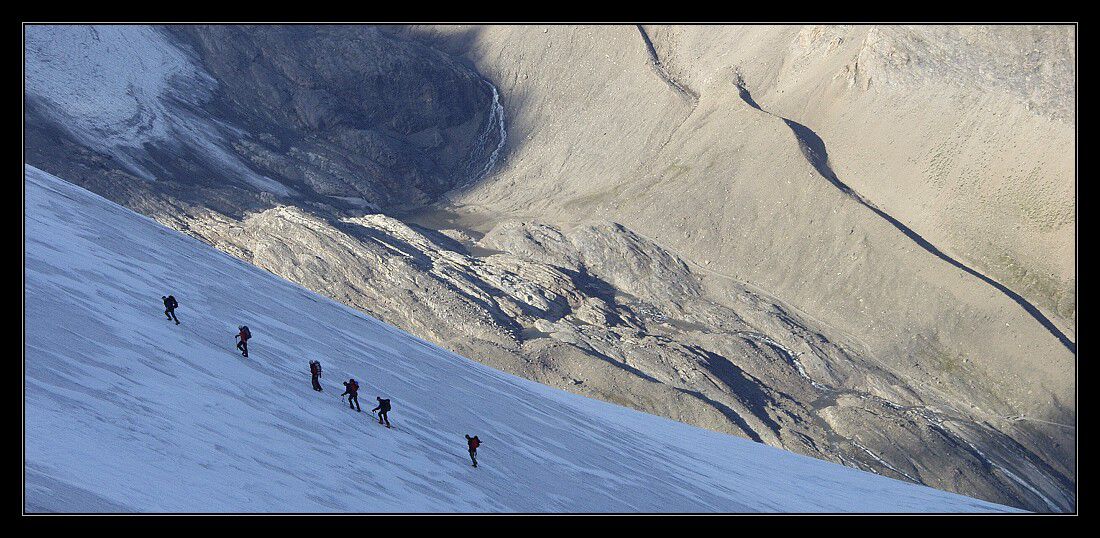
{"x": 474, "y": 442}
{"x": 172, "y": 302}
{"x": 247, "y": 333}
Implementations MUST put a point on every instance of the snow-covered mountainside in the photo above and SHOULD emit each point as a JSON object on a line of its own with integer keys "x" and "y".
{"x": 126, "y": 411}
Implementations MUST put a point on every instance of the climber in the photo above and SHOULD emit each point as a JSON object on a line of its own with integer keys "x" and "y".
{"x": 383, "y": 408}
{"x": 315, "y": 372}
{"x": 351, "y": 389}
{"x": 170, "y": 306}
{"x": 243, "y": 335}
{"x": 473, "y": 443}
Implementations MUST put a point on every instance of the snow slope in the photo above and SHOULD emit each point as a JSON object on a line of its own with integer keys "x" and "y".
{"x": 126, "y": 411}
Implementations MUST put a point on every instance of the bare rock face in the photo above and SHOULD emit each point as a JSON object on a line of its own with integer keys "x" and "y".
{"x": 359, "y": 113}
{"x": 629, "y": 261}
{"x": 656, "y": 234}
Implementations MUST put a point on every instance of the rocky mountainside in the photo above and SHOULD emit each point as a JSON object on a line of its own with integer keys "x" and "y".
{"x": 641, "y": 215}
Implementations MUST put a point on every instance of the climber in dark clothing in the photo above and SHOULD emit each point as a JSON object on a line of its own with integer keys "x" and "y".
{"x": 351, "y": 388}
{"x": 315, "y": 371}
{"x": 383, "y": 408}
{"x": 473, "y": 443}
{"x": 170, "y": 306}
{"x": 244, "y": 335}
